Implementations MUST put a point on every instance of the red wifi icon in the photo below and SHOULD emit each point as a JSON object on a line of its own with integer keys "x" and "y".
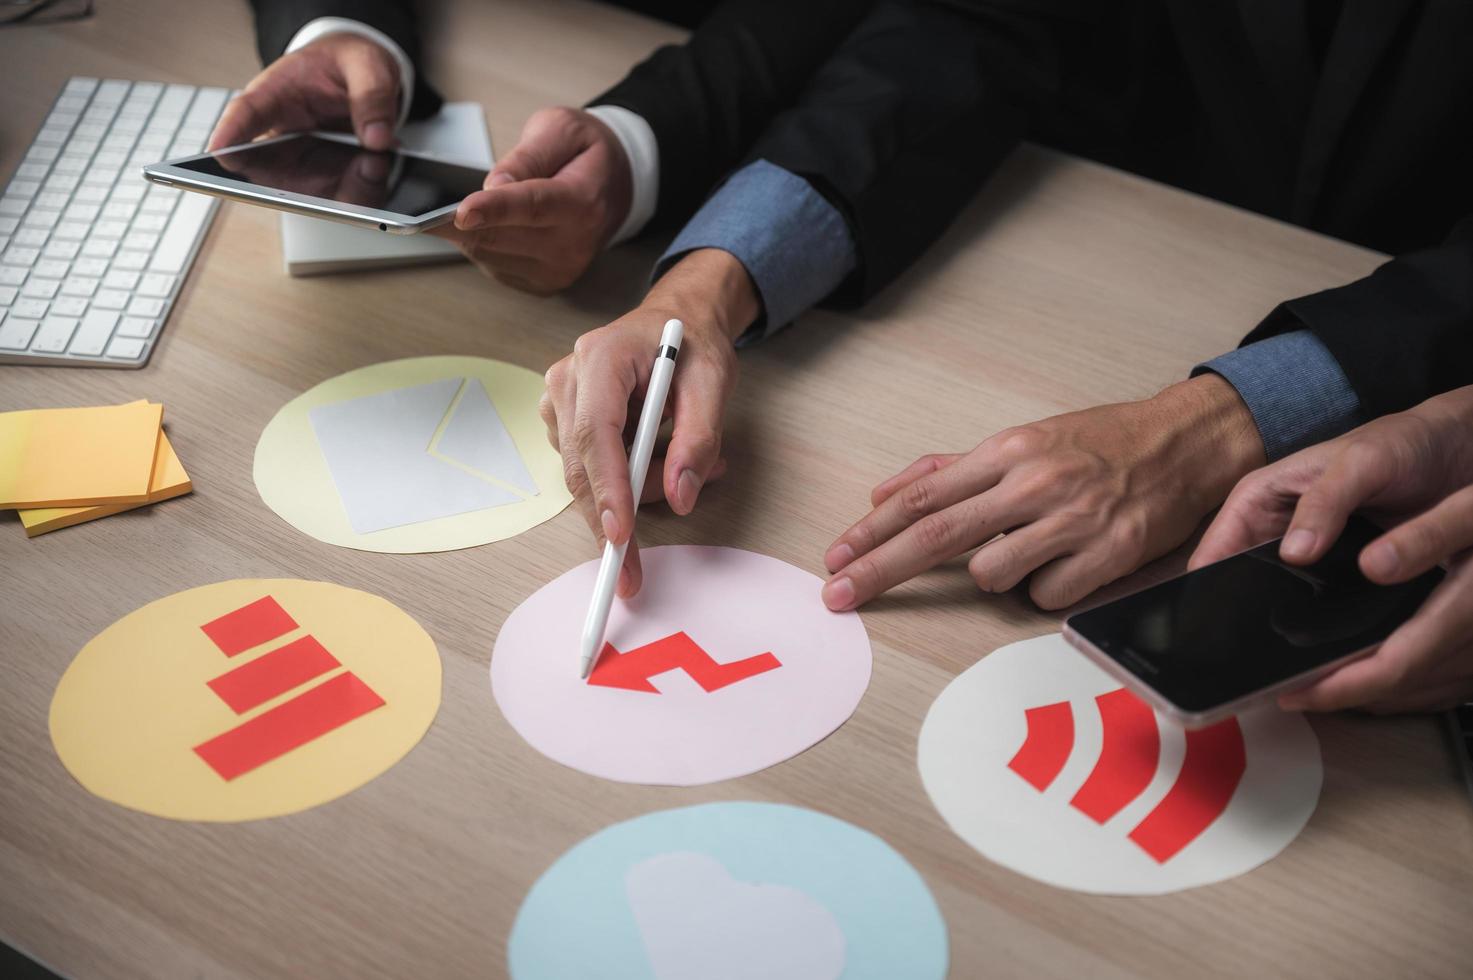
{"x": 1129, "y": 756}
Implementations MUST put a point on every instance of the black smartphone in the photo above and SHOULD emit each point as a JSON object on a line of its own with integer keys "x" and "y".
{"x": 1209, "y": 643}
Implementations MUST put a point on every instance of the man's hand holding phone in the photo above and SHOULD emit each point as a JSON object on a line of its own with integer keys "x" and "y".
{"x": 1413, "y": 470}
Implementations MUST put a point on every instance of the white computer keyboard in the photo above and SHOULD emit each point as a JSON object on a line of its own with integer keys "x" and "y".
{"x": 92, "y": 255}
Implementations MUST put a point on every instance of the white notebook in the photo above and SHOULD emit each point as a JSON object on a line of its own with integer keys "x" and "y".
{"x": 312, "y": 247}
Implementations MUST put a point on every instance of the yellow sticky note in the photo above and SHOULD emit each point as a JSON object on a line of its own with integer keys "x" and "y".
{"x": 169, "y": 480}
{"x": 75, "y": 457}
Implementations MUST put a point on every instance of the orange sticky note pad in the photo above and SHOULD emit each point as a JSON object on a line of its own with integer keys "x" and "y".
{"x": 169, "y": 480}
{"x": 76, "y": 457}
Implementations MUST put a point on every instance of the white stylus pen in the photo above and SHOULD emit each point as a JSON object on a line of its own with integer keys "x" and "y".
{"x": 639, "y": 464}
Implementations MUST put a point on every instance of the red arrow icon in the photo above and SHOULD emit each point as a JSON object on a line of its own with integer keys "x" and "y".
{"x": 633, "y": 670}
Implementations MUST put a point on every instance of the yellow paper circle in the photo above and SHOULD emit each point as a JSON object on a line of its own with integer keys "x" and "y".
{"x": 135, "y": 702}
{"x": 293, "y": 478}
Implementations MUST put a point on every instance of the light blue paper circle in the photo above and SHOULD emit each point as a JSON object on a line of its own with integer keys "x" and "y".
{"x": 576, "y": 921}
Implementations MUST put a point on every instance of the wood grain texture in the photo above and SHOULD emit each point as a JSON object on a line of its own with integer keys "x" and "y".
{"x": 1064, "y": 285}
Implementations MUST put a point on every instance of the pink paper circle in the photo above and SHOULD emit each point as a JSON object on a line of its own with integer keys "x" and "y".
{"x": 734, "y": 604}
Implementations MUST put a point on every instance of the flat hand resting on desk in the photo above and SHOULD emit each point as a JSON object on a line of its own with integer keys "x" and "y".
{"x": 1079, "y": 499}
{"x": 1414, "y": 470}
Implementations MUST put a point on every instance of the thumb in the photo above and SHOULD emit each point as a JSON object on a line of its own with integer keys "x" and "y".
{"x": 549, "y": 141}
{"x": 372, "y": 80}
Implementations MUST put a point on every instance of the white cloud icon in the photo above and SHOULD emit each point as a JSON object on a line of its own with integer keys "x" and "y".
{"x": 700, "y": 923}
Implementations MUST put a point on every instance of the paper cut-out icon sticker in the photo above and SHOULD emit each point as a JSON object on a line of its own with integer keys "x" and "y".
{"x": 245, "y": 699}
{"x": 1041, "y": 761}
{"x": 696, "y": 920}
{"x": 422, "y": 454}
{"x": 725, "y": 663}
{"x": 730, "y": 891}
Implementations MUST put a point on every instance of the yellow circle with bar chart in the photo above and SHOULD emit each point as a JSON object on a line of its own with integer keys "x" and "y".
{"x": 245, "y": 699}
{"x": 416, "y": 455}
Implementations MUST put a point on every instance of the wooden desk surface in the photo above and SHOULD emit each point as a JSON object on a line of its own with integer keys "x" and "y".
{"x": 1064, "y": 285}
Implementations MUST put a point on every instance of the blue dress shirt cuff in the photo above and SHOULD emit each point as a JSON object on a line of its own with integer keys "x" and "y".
{"x": 1295, "y": 389}
{"x": 794, "y": 244}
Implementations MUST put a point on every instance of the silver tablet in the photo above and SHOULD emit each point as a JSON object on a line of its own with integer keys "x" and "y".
{"x": 328, "y": 175}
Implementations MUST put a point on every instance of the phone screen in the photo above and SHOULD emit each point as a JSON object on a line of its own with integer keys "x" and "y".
{"x": 346, "y": 173}
{"x": 1251, "y": 621}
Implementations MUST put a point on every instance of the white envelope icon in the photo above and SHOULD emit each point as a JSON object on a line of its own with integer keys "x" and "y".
{"x": 420, "y": 453}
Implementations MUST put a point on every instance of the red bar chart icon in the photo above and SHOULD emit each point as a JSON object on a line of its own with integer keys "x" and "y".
{"x": 1130, "y": 754}
{"x": 293, "y": 723}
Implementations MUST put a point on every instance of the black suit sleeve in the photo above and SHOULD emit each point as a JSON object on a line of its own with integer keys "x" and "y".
{"x": 277, "y": 21}
{"x": 1402, "y": 334}
{"x": 707, "y": 100}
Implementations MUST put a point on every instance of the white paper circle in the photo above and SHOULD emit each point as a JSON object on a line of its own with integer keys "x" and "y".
{"x": 978, "y": 726}
{"x": 732, "y": 605}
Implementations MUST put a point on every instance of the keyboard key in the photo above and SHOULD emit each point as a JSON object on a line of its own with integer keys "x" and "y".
{"x": 143, "y": 241}
{"x": 173, "y": 251}
{"x": 82, "y": 147}
{"x": 150, "y": 222}
{"x": 16, "y": 332}
{"x": 70, "y": 165}
{"x": 40, "y": 288}
{"x": 125, "y": 348}
{"x": 59, "y": 183}
{"x": 69, "y": 305}
{"x": 156, "y": 284}
{"x": 110, "y": 299}
{"x": 72, "y": 230}
{"x": 17, "y": 255}
{"x": 55, "y": 334}
{"x": 7, "y": 225}
{"x": 32, "y": 171}
{"x": 42, "y": 153}
{"x": 129, "y": 191}
{"x": 33, "y": 308}
{"x": 120, "y": 279}
{"x": 22, "y": 188}
{"x": 8, "y": 295}
{"x": 119, "y": 210}
{"x": 85, "y": 213}
{"x": 41, "y": 218}
{"x": 130, "y": 260}
{"x": 94, "y": 268}
{"x": 89, "y": 194}
{"x": 80, "y": 285}
{"x": 51, "y": 268}
{"x": 103, "y": 177}
{"x": 59, "y": 248}
{"x": 207, "y": 104}
{"x": 99, "y": 247}
{"x": 95, "y": 330}
{"x": 12, "y": 275}
{"x": 31, "y": 237}
{"x": 80, "y": 85}
{"x": 110, "y": 229}
{"x": 137, "y": 326}
{"x": 145, "y": 306}
{"x": 111, "y": 92}
{"x": 73, "y": 101}
{"x": 13, "y": 206}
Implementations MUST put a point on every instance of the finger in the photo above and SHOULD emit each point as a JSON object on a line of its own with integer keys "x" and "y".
{"x": 549, "y": 141}
{"x": 654, "y": 489}
{"x": 536, "y": 203}
{"x": 1004, "y": 562}
{"x": 246, "y": 116}
{"x": 924, "y": 466}
{"x": 597, "y": 439}
{"x": 699, "y": 406}
{"x": 1358, "y": 472}
{"x": 929, "y": 541}
{"x": 631, "y": 573}
{"x": 1441, "y": 629}
{"x": 916, "y": 500}
{"x": 1257, "y": 510}
{"x": 1422, "y": 542}
{"x": 372, "y": 81}
{"x": 494, "y": 242}
{"x": 1063, "y": 582}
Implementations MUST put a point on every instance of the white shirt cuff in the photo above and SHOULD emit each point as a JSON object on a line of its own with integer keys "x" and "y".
{"x": 643, "y": 153}
{"x": 323, "y": 26}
